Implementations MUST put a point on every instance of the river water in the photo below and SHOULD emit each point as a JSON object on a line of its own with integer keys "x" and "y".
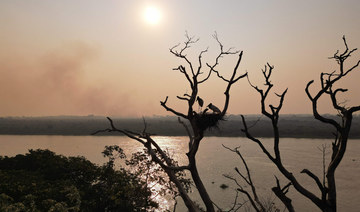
{"x": 213, "y": 161}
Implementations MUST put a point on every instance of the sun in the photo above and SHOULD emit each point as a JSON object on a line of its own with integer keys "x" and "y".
{"x": 152, "y": 15}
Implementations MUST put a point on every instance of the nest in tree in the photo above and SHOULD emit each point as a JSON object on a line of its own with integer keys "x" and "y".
{"x": 208, "y": 120}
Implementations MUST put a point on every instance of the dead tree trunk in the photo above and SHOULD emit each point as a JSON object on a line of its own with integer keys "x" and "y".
{"x": 327, "y": 200}
{"x": 199, "y": 122}
{"x": 327, "y": 81}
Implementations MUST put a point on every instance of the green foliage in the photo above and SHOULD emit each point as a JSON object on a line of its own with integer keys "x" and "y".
{"x": 43, "y": 181}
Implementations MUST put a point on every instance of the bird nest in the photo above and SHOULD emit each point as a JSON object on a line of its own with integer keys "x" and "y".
{"x": 208, "y": 120}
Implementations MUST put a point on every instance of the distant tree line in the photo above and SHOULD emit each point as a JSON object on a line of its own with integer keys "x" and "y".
{"x": 294, "y": 126}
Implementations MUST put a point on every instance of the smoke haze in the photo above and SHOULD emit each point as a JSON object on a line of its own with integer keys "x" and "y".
{"x": 58, "y": 82}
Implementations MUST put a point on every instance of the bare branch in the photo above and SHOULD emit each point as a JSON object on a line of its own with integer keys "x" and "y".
{"x": 206, "y": 78}
{"x": 232, "y": 80}
{"x": 221, "y": 54}
{"x": 200, "y": 61}
{"x": 101, "y": 131}
{"x": 183, "y": 98}
{"x": 255, "y": 87}
{"x": 187, "y": 44}
{"x": 281, "y": 194}
{"x": 145, "y": 126}
{"x": 307, "y": 90}
{"x": 248, "y": 135}
{"x": 354, "y": 109}
{"x": 334, "y": 100}
{"x": 246, "y": 178}
{"x": 183, "y": 70}
{"x": 274, "y": 116}
{"x": 163, "y": 103}
{"x": 229, "y": 51}
{"x": 248, "y": 181}
{"x": 314, "y": 177}
{"x": 217, "y": 73}
{"x": 240, "y": 189}
{"x": 191, "y": 139}
{"x": 314, "y": 106}
{"x": 352, "y": 68}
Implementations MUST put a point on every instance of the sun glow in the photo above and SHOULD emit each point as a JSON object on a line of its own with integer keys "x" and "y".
{"x": 152, "y": 15}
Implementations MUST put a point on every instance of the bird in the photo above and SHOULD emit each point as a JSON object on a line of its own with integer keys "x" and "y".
{"x": 214, "y": 108}
{"x": 200, "y": 101}
{"x": 206, "y": 109}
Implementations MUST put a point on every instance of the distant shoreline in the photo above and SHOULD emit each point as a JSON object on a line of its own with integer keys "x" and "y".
{"x": 291, "y": 126}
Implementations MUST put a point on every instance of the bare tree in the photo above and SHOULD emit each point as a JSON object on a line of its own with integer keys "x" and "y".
{"x": 198, "y": 122}
{"x": 327, "y": 200}
{"x": 252, "y": 194}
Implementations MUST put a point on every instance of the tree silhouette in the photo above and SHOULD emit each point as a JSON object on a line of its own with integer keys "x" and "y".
{"x": 197, "y": 124}
{"x": 327, "y": 200}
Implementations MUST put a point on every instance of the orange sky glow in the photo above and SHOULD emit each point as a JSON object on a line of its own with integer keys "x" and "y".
{"x": 111, "y": 58}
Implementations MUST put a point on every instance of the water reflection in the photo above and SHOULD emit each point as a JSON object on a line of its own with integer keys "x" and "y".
{"x": 176, "y": 147}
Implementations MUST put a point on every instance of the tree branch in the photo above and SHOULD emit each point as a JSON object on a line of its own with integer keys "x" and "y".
{"x": 281, "y": 194}
{"x": 246, "y": 178}
{"x": 188, "y": 42}
{"x": 274, "y": 116}
{"x": 248, "y": 135}
{"x": 163, "y": 103}
{"x": 242, "y": 190}
{"x": 200, "y": 61}
{"x": 191, "y": 139}
{"x": 315, "y": 178}
{"x": 183, "y": 70}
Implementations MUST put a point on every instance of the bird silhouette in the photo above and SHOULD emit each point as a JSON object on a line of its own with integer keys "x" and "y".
{"x": 206, "y": 109}
{"x": 214, "y": 108}
{"x": 200, "y": 101}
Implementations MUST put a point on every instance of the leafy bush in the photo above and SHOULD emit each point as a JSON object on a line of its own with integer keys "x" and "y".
{"x": 43, "y": 181}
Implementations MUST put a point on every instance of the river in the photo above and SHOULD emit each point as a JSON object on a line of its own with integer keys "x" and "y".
{"x": 213, "y": 161}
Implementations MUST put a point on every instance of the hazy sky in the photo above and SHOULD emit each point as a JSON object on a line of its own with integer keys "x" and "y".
{"x": 102, "y": 57}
